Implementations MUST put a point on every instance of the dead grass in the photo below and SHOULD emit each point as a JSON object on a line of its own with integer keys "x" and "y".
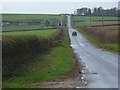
{"x": 115, "y": 27}
{"x": 105, "y": 22}
{"x": 105, "y": 35}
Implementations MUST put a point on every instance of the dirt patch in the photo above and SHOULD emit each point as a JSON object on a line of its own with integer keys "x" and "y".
{"x": 65, "y": 83}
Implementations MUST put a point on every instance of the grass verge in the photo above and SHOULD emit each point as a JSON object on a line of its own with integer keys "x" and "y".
{"x": 48, "y": 66}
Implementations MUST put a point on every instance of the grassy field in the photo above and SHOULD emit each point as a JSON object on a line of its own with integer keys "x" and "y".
{"x": 87, "y": 18}
{"x": 50, "y": 66}
{"x": 94, "y": 19}
{"x": 13, "y": 17}
{"x": 28, "y": 27}
{"x": 44, "y": 33}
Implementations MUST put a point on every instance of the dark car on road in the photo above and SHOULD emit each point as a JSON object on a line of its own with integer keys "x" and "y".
{"x": 74, "y": 33}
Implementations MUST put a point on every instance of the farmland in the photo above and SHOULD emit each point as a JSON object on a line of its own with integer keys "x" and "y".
{"x": 105, "y": 37}
{"x": 34, "y": 55}
{"x": 17, "y": 22}
{"x": 85, "y": 20}
{"x": 14, "y": 17}
{"x": 24, "y": 28}
{"x": 44, "y": 33}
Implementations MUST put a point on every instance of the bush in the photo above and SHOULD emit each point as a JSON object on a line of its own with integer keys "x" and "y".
{"x": 14, "y": 49}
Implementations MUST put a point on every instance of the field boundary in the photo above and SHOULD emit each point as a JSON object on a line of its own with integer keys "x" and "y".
{"x": 17, "y": 46}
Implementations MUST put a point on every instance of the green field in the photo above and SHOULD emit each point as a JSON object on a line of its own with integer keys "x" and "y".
{"x": 43, "y": 33}
{"x": 13, "y": 17}
{"x": 28, "y": 27}
{"x": 86, "y": 19}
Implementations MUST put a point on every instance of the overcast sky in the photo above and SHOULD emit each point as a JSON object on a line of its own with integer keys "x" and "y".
{"x": 53, "y": 7}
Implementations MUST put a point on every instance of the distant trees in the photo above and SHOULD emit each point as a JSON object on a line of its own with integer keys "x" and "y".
{"x": 97, "y": 11}
{"x": 82, "y": 11}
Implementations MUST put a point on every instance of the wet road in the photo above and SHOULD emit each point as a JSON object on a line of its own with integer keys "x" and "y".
{"x": 100, "y": 68}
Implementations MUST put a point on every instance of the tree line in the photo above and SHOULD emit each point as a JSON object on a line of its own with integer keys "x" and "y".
{"x": 97, "y": 11}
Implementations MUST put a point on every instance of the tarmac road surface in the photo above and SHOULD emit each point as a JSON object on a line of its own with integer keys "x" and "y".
{"x": 100, "y": 68}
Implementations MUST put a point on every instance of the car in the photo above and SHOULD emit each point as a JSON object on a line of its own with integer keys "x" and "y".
{"x": 74, "y": 33}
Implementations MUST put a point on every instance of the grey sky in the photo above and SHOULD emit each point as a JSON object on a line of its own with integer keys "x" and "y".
{"x": 51, "y": 7}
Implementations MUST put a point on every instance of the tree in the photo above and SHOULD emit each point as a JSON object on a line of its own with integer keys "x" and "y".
{"x": 95, "y": 11}
{"x": 99, "y": 11}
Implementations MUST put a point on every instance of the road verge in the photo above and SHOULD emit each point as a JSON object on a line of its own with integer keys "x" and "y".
{"x": 57, "y": 63}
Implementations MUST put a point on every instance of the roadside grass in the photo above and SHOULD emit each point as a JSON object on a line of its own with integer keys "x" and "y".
{"x": 28, "y": 27}
{"x": 105, "y": 45}
{"x": 44, "y": 33}
{"x": 50, "y": 66}
{"x": 112, "y": 46}
{"x": 13, "y": 17}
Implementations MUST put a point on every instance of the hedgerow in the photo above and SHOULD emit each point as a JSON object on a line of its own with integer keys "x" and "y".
{"x": 16, "y": 47}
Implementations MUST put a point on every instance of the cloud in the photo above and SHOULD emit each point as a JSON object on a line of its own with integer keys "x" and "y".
{"x": 51, "y": 7}
{"x": 60, "y": 1}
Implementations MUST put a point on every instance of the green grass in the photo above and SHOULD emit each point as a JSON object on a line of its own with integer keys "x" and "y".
{"x": 13, "y": 17}
{"x": 52, "y": 65}
{"x": 109, "y": 46}
{"x": 44, "y": 33}
{"x": 112, "y": 46}
{"x": 11, "y": 28}
{"x": 86, "y": 19}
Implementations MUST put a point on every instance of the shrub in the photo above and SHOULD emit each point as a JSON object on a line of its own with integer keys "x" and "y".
{"x": 14, "y": 49}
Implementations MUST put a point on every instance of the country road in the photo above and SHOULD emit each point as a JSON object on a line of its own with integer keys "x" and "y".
{"x": 100, "y": 68}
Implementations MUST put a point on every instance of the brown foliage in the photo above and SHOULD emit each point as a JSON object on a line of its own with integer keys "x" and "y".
{"x": 103, "y": 34}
